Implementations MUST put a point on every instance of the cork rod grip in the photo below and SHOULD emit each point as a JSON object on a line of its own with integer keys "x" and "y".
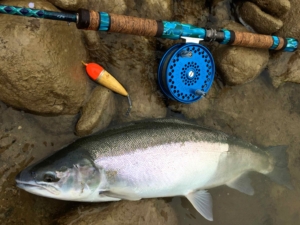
{"x": 133, "y": 25}
{"x": 255, "y": 40}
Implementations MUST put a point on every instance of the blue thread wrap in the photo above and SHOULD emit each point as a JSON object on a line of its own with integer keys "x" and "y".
{"x": 276, "y": 42}
{"x": 292, "y": 45}
{"x": 105, "y": 21}
{"x": 227, "y": 36}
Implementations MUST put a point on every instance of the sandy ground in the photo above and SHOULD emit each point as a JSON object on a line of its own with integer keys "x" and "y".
{"x": 25, "y": 138}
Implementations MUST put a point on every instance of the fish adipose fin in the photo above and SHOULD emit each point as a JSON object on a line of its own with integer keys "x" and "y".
{"x": 121, "y": 194}
{"x": 280, "y": 173}
{"x": 202, "y": 201}
{"x": 242, "y": 184}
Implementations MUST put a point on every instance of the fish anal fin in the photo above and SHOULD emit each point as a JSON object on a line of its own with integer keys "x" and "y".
{"x": 202, "y": 201}
{"x": 121, "y": 194}
{"x": 242, "y": 184}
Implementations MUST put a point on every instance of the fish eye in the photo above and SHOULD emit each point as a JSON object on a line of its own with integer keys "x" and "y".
{"x": 49, "y": 177}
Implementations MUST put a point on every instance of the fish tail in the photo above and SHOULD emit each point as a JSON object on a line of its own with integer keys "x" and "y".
{"x": 280, "y": 173}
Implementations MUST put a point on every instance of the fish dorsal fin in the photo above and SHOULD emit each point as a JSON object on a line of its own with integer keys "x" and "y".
{"x": 242, "y": 184}
{"x": 121, "y": 194}
{"x": 202, "y": 201}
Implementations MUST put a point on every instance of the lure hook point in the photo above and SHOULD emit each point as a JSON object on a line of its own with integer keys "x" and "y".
{"x": 130, "y": 106}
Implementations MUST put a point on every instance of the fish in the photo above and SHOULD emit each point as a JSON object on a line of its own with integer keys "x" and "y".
{"x": 153, "y": 159}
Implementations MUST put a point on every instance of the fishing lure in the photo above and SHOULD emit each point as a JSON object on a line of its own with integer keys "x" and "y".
{"x": 98, "y": 74}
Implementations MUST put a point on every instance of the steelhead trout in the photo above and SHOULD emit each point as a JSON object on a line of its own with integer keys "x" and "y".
{"x": 151, "y": 159}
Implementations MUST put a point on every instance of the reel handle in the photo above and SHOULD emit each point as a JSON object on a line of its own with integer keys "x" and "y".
{"x": 133, "y": 25}
{"x": 253, "y": 40}
{"x": 92, "y": 20}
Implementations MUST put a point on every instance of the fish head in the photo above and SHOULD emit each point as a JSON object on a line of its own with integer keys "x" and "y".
{"x": 61, "y": 177}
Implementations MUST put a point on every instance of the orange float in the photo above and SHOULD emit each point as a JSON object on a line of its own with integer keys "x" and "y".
{"x": 98, "y": 74}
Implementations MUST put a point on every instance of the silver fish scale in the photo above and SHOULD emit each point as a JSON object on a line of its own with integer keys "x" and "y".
{"x": 145, "y": 134}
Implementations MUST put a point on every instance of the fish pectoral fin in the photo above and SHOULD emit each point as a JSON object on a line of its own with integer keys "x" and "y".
{"x": 242, "y": 184}
{"x": 202, "y": 201}
{"x": 121, "y": 194}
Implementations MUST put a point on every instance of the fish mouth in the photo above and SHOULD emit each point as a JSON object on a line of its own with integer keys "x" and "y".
{"x": 33, "y": 187}
{"x": 23, "y": 185}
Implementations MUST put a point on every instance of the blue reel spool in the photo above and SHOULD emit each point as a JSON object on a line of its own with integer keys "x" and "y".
{"x": 186, "y": 72}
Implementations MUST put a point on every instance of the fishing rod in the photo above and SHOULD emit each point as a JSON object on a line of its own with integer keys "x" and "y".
{"x": 186, "y": 71}
{"x": 109, "y": 22}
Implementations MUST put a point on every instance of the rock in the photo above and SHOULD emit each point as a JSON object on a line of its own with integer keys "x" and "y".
{"x": 274, "y": 7}
{"x": 40, "y": 73}
{"x": 152, "y": 9}
{"x": 291, "y": 27}
{"x": 98, "y": 50}
{"x": 220, "y": 14}
{"x": 147, "y": 101}
{"x": 283, "y": 65}
{"x": 213, "y": 3}
{"x": 98, "y": 112}
{"x": 239, "y": 65}
{"x": 72, "y": 5}
{"x": 110, "y": 6}
{"x": 55, "y": 124}
{"x": 191, "y": 111}
{"x": 285, "y": 68}
{"x": 144, "y": 212}
{"x": 257, "y": 19}
{"x": 191, "y": 12}
{"x": 278, "y": 67}
{"x": 40, "y": 64}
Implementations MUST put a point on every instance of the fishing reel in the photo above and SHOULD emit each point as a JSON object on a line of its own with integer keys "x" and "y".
{"x": 186, "y": 71}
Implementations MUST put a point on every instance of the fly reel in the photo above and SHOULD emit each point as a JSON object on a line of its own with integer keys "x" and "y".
{"x": 186, "y": 72}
